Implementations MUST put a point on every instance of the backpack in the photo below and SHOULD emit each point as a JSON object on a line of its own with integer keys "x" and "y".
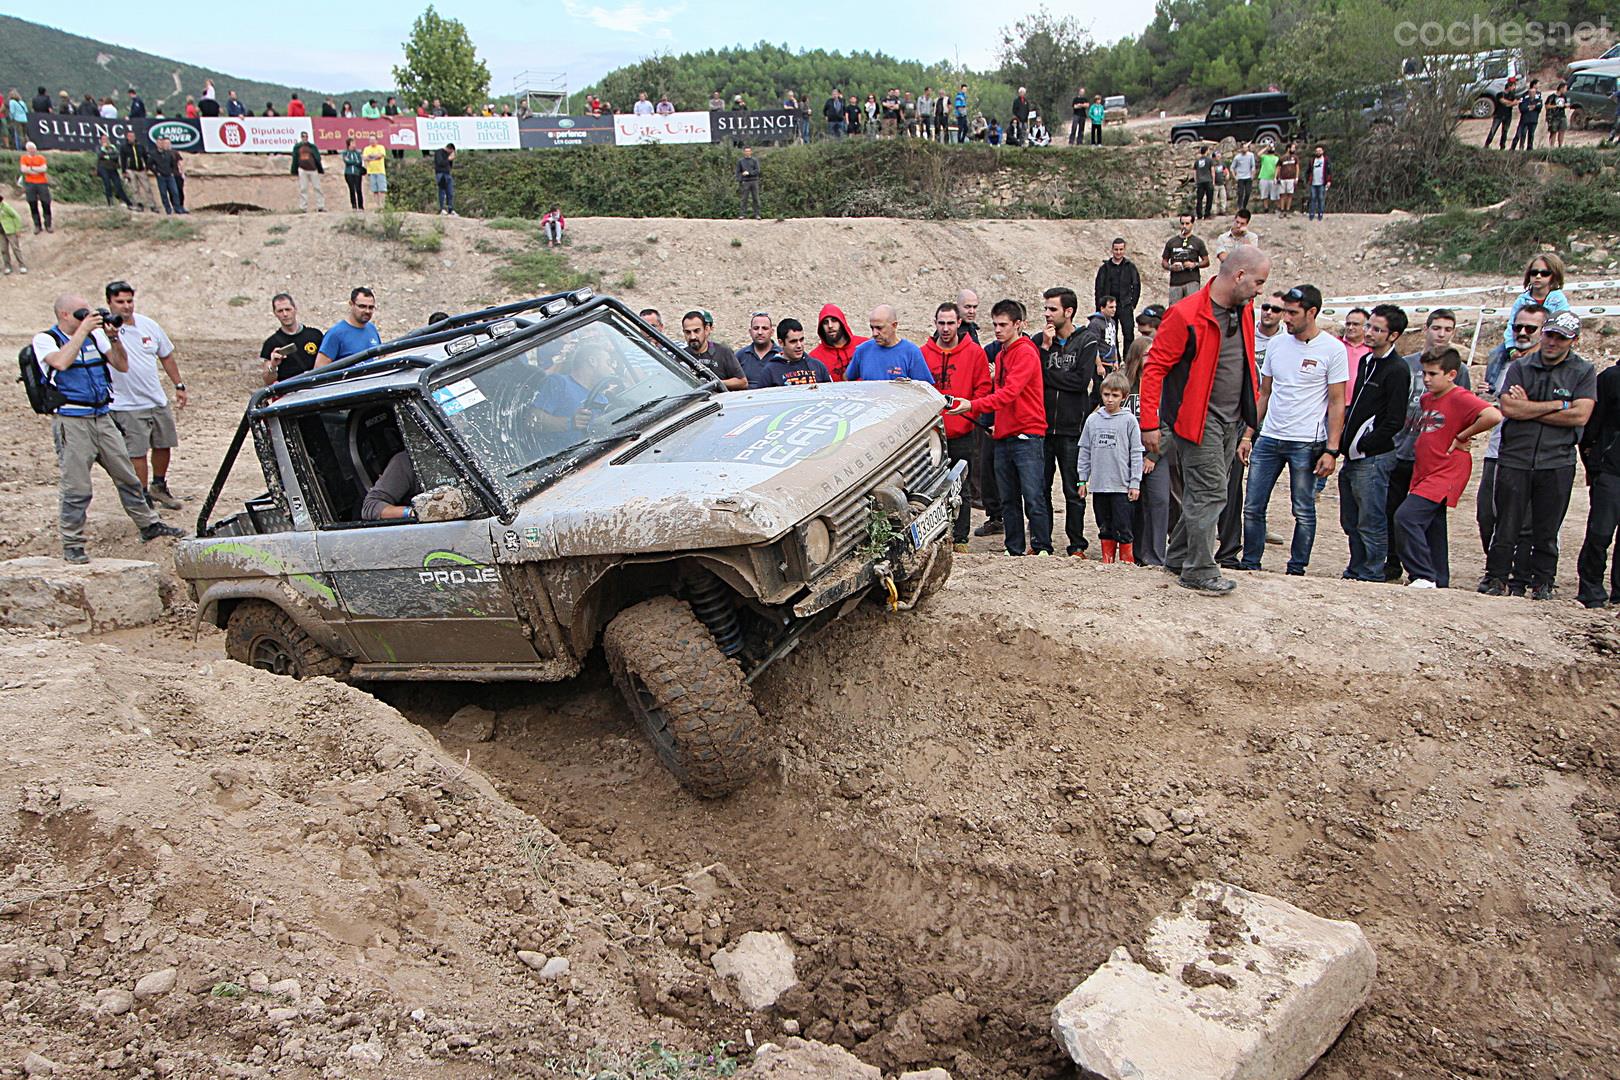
{"x": 43, "y": 396}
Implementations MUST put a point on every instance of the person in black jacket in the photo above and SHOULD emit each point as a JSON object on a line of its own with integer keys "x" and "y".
{"x": 1600, "y": 451}
{"x": 833, "y": 113}
{"x": 1119, "y": 278}
{"x": 1019, "y": 127}
{"x": 1069, "y": 371}
{"x": 1375, "y": 415}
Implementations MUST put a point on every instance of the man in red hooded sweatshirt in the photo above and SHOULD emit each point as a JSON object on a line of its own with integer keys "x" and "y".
{"x": 1018, "y": 398}
{"x": 960, "y": 370}
{"x": 1199, "y": 380}
{"x": 837, "y": 343}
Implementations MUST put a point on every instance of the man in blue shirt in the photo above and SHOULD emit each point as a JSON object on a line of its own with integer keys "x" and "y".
{"x": 887, "y": 355}
{"x": 355, "y": 333}
{"x": 759, "y": 351}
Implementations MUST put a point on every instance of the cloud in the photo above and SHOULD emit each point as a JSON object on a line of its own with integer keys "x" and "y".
{"x": 634, "y": 17}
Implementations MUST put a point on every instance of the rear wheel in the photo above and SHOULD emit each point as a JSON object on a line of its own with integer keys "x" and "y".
{"x": 1185, "y": 139}
{"x": 1268, "y": 140}
{"x": 688, "y": 696}
{"x": 1483, "y": 108}
{"x": 259, "y": 634}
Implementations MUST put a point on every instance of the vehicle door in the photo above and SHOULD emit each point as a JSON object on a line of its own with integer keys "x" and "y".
{"x": 412, "y": 592}
{"x": 1590, "y": 94}
{"x": 1218, "y": 124}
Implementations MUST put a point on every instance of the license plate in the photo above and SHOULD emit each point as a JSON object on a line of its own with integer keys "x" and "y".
{"x": 932, "y": 524}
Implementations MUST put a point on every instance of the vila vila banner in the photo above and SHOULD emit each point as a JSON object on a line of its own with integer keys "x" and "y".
{"x": 253, "y": 134}
{"x": 682, "y": 127}
{"x": 468, "y": 132}
{"x": 395, "y": 132}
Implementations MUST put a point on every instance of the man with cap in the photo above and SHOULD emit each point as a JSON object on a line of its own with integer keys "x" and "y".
{"x": 1546, "y": 400}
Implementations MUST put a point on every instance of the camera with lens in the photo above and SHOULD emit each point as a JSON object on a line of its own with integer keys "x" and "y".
{"x": 106, "y": 316}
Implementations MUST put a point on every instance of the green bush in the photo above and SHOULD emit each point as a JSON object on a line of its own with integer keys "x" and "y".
{"x": 73, "y": 176}
{"x": 1504, "y": 240}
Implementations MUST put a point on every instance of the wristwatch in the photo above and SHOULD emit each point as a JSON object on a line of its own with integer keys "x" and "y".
{"x": 179, "y": 386}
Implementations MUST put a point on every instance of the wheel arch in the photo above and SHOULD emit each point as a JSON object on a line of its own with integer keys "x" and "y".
{"x": 219, "y": 599}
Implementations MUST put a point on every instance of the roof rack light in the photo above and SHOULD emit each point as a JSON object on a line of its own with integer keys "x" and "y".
{"x": 461, "y": 345}
{"x": 505, "y": 326}
{"x": 556, "y": 307}
{"x": 579, "y": 296}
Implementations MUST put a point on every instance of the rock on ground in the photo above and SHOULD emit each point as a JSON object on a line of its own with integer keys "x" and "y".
{"x": 926, "y": 1074}
{"x": 1234, "y": 986}
{"x": 107, "y": 594}
{"x": 758, "y": 969}
{"x": 471, "y": 723}
{"x": 806, "y": 1059}
{"x": 155, "y": 984}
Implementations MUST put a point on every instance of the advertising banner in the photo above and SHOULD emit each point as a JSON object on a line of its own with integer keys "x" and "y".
{"x": 549, "y": 132}
{"x": 183, "y": 135}
{"x": 468, "y": 132}
{"x": 395, "y": 132}
{"x": 53, "y": 131}
{"x": 253, "y": 134}
{"x": 681, "y": 127}
{"x": 763, "y": 125}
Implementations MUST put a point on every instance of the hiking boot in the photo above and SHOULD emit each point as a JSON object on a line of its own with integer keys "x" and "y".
{"x": 1493, "y": 587}
{"x": 74, "y": 554}
{"x": 1542, "y": 592}
{"x": 1594, "y": 605}
{"x": 157, "y": 530}
{"x": 1515, "y": 589}
{"x": 959, "y": 548}
{"x": 991, "y": 527}
{"x": 1215, "y": 586}
{"x": 159, "y": 493}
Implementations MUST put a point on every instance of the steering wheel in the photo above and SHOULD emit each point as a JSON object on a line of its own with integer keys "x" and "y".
{"x": 599, "y": 398}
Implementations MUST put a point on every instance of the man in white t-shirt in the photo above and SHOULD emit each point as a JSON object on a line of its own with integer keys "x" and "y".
{"x": 1302, "y": 386}
{"x": 139, "y": 407}
{"x": 643, "y": 107}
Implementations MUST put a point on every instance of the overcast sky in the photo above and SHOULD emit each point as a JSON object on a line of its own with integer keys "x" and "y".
{"x": 353, "y": 46}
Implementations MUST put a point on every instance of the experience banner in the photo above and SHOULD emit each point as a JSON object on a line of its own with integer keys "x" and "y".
{"x": 468, "y": 132}
{"x": 682, "y": 127}
{"x": 395, "y": 132}
{"x": 253, "y": 134}
{"x": 550, "y": 132}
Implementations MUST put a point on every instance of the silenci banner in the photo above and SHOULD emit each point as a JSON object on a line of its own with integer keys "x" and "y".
{"x": 55, "y": 131}
{"x": 763, "y": 125}
{"x": 551, "y": 132}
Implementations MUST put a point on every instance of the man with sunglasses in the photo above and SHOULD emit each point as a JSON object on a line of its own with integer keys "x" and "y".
{"x": 1526, "y": 334}
{"x": 1438, "y": 330}
{"x": 1302, "y": 393}
{"x": 1546, "y": 399}
{"x": 1199, "y": 382}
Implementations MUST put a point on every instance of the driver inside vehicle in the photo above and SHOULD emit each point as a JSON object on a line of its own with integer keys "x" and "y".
{"x": 574, "y": 393}
{"x": 389, "y": 499}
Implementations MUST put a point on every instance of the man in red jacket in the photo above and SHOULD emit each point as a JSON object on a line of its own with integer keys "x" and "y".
{"x": 960, "y": 370}
{"x": 1199, "y": 381}
{"x": 837, "y": 344}
{"x": 1018, "y": 399}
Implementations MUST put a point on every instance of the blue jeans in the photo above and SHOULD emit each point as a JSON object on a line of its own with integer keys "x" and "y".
{"x": 447, "y": 191}
{"x": 1020, "y": 470}
{"x": 1363, "y": 495}
{"x": 169, "y": 191}
{"x": 1265, "y": 466}
{"x": 1318, "y": 202}
{"x": 836, "y": 128}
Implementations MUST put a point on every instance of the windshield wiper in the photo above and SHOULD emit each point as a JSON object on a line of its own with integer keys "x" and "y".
{"x": 577, "y": 448}
{"x": 648, "y": 406}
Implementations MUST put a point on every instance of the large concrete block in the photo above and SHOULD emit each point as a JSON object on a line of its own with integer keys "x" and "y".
{"x": 1233, "y": 986}
{"x": 107, "y": 594}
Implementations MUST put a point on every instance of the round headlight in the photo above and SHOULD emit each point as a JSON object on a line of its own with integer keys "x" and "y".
{"x": 936, "y": 449}
{"x": 818, "y": 541}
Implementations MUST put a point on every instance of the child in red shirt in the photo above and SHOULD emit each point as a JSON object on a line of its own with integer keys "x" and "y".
{"x": 1451, "y": 419}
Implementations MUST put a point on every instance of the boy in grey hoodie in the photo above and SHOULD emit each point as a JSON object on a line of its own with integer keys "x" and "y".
{"x": 1111, "y": 466}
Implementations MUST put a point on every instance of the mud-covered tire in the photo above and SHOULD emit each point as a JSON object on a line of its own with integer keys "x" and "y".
{"x": 259, "y": 634}
{"x": 688, "y": 696}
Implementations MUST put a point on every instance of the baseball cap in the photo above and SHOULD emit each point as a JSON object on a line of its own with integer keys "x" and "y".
{"x": 1564, "y": 324}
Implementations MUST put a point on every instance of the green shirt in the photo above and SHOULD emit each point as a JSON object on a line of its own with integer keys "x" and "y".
{"x": 353, "y": 165}
{"x": 370, "y": 112}
{"x": 1268, "y": 166}
{"x": 10, "y": 220}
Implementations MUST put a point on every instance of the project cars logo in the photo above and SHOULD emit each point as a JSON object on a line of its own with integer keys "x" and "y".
{"x": 804, "y": 433}
{"x": 448, "y": 568}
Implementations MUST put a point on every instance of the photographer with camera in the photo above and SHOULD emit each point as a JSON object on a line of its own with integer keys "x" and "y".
{"x": 140, "y": 408}
{"x": 74, "y": 357}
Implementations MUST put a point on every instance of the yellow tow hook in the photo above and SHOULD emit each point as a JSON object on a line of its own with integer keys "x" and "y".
{"x": 886, "y": 576}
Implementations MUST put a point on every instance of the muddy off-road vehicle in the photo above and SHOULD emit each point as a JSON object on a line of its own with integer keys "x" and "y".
{"x": 580, "y": 478}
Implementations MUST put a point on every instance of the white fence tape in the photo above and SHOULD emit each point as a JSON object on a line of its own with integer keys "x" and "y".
{"x": 1592, "y": 311}
{"x": 1429, "y": 294}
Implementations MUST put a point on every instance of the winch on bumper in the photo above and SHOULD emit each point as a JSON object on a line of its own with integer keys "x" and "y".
{"x": 918, "y": 542}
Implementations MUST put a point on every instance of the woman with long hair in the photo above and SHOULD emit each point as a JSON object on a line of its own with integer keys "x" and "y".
{"x": 1543, "y": 284}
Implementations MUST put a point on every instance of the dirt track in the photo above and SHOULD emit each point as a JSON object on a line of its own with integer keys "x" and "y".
{"x": 947, "y": 835}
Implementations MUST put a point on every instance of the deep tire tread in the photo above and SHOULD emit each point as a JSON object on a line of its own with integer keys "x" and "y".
{"x": 253, "y": 619}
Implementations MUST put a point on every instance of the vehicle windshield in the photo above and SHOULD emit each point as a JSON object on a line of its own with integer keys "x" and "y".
{"x": 590, "y": 384}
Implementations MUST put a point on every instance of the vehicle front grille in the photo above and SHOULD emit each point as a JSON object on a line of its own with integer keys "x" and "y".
{"x": 848, "y": 516}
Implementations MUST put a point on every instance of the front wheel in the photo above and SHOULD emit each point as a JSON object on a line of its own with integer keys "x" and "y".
{"x": 1185, "y": 140}
{"x": 1483, "y": 108}
{"x": 688, "y": 696}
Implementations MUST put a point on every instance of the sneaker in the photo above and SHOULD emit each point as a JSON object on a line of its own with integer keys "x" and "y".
{"x": 1492, "y": 587}
{"x": 959, "y": 548}
{"x": 158, "y": 529}
{"x": 159, "y": 494}
{"x": 1043, "y": 554}
{"x": 1273, "y": 538}
{"x": 8, "y": 271}
{"x": 992, "y": 527}
{"x": 22, "y": 270}
{"x": 1215, "y": 586}
{"x": 1542, "y": 592}
{"x": 75, "y": 555}
{"x": 1421, "y": 583}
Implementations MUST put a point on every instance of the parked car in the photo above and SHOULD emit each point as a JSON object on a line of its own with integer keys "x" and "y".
{"x": 1612, "y": 54}
{"x": 1590, "y": 103}
{"x": 1114, "y": 109}
{"x": 1481, "y": 75}
{"x": 581, "y": 480}
{"x": 1358, "y": 111}
{"x": 1265, "y": 119}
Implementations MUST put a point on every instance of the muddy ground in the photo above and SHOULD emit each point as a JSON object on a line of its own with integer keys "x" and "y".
{"x": 946, "y": 834}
